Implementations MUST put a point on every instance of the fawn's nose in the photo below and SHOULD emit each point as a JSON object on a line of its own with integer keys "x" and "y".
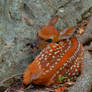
{"x": 34, "y": 44}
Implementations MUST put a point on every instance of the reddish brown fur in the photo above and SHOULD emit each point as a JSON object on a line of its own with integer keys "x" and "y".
{"x": 35, "y": 74}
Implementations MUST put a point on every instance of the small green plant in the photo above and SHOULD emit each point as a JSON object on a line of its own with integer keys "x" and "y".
{"x": 60, "y": 78}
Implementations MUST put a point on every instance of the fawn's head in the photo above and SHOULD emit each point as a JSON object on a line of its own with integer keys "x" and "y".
{"x": 50, "y": 34}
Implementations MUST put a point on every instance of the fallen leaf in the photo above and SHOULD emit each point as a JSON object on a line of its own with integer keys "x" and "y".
{"x": 80, "y": 31}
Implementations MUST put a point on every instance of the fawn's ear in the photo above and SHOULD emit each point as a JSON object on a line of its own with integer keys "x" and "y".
{"x": 53, "y": 21}
{"x": 67, "y": 33}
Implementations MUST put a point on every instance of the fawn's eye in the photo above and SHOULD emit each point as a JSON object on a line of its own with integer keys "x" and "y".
{"x": 49, "y": 40}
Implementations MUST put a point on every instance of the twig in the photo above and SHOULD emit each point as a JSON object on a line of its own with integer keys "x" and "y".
{"x": 2, "y": 83}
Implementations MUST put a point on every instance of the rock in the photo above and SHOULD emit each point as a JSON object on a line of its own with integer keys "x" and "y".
{"x": 84, "y": 82}
{"x": 86, "y": 37}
